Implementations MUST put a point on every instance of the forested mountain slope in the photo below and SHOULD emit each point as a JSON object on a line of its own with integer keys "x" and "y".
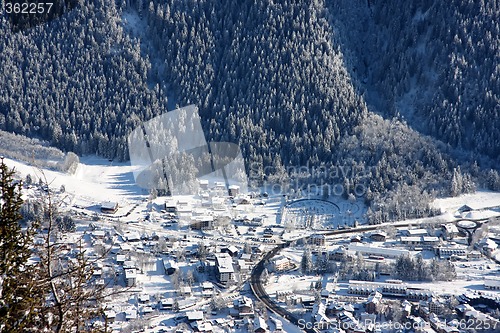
{"x": 77, "y": 81}
{"x": 435, "y": 62}
{"x": 286, "y": 80}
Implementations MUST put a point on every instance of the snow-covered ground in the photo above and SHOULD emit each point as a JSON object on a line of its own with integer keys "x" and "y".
{"x": 319, "y": 214}
{"x": 95, "y": 180}
{"x": 479, "y": 200}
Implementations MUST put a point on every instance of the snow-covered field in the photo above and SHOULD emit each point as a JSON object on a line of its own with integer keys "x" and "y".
{"x": 96, "y": 180}
{"x": 479, "y": 200}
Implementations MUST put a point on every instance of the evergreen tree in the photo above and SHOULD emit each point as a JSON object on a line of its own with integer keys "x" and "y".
{"x": 306, "y": 263}
{"x": 20, "y": 296}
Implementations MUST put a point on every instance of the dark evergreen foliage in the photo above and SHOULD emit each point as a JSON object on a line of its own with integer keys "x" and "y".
{"x": 18, "y": 295}
{"x": 285, "y": 80}
{"x": 433, "y": 62}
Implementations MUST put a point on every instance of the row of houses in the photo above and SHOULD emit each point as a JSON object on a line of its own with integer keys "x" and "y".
{"x": 390, "y": 287}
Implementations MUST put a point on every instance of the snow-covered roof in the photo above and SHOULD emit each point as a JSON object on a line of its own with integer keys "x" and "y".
{"x": 259, "y": 323}
{"x": 207, "y": 285}
{"x": 224, "y": 263}
{"x": 377, "y": 250}
{"x": 194, "y": 315}
{"x": 130, "y": 273}
{"x": 450, "y": 228}
{"x": 109, "y": 205}
{"x": 417, "y": 232}
{"x": 492, "y": 283}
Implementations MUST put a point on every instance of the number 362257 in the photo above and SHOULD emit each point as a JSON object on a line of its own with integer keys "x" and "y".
{"x": 28, "y": 8}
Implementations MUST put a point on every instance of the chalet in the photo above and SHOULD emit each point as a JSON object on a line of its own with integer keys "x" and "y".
{"x": 193, "y": 316}
{"x": 207, "y": 289}
{"x": 368, "y": 321}
{"x": 244, "y": 306}
{"x": 206, "y": 285}
{"x": 202, "y": 326}
{"x": 280, "y": 263}
{"x": 256, "y": 221}
{"x": 205, "y": 222}
{"x": 231, "y": 250}
{"x": 339, "y": 254}
{"x": 373, "y": 301}
{"x": 185, "y": 212}
{"x": 349, "y": 322}
{"x": 420, "y": 325}
{"x": 133, "y": 237}
{"x": 144, "y": 310}
{"x": 441, "y": 326}
{"x": 378, "y": 236}
{"x": 99, "y": 234}
{"x": 244, "y": 266}
{"x": 129, "y": 264}
{"x": 224, "y": 267}
{"x": 171, "y": 206}
{"x": 143, "y": 298}
{"x": 320, "y": 319}
{"x": 130, "y": 314}
{"x": 356, "y": 239}
{"x": 317, "y": 239}
{"x": 406, "y": 308}
{"x": 170, "y": 266}
{"x": 449, "y": 231}
{"x": 268, "y": 233}
{"x": 124, "y": 247}
{"x": 130, "y": 277}
{"x": 259, "y": 325}
{"x": 110, "y": 315}
{"x": 246, "y": 256}
{"x": 234, "y": 190}
{"x": 242, "y": 200}
{"x": 185, "y": 290}
{"x": 109, "y": 207}
{"x": 307, "y": 301}
{"x": 220, "y": 187}
{"x": 278, "y": 325}
{"x": 97, "y": 273}
{"x": 487, "y": 246}
{"x": 204, "y": 184}
{"x": 166, "y": 303}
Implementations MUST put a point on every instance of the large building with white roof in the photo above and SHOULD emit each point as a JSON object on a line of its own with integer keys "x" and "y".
{"x": 378, "y": 251}
{"x": 492, "y": 284}
{"x": 224, "y": 267}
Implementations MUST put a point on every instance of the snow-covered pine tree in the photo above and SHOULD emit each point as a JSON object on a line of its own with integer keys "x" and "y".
{"x": 18, "y": 295}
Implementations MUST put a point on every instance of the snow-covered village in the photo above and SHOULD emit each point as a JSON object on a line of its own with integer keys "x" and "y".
{"x": 221, "y": 260}
{"x": 260, "y": 166}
